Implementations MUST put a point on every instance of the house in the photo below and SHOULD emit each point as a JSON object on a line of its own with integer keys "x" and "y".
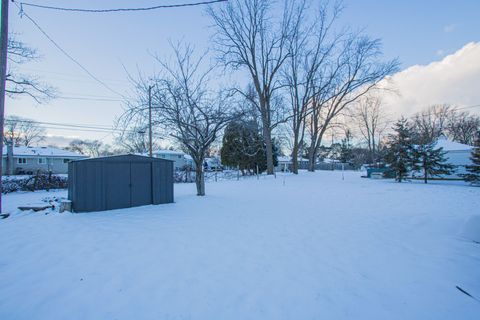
{"x": 457, "y": 154}
{"x": 179, "y": 158}
{"x": 285, "y": 163}
{"x": 29, "y": 160}
{"x": 212, "y": 164}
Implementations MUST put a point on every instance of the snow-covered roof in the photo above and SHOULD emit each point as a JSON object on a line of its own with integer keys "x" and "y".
{"x": 288, "y": 159}
{"x": 449, "y": 145}
{"x": 284, "y": 159}
{"x": 21, "y": 151}
{"x": 166, "y": 151}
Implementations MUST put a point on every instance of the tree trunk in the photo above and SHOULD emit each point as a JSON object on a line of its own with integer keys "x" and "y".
{"x": 295, "y": 158}
{"x": 200, "y": 179}
{"x": 312, "y": 155}
{"x": 267, "y": 136}
{"x": 425, "y": 172}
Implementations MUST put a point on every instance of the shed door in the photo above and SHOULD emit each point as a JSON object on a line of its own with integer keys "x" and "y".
{"x": 141, "y": 184}
{"x": 117, "y": 180}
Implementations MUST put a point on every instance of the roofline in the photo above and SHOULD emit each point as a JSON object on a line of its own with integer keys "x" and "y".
{"x": 44, "y": 156}
{"x": 122, "y": 155}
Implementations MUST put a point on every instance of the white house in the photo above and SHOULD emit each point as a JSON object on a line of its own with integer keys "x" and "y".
{"x": 179, "y": 157}
{"x": 285, "y": 163}
{"x": 458, "y": 154}
{"x": 29, "y": 160}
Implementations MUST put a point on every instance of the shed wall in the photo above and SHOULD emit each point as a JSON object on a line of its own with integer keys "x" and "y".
{"x": 119, "y": 182}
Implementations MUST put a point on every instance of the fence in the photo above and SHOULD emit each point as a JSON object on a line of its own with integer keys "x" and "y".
{"x": 327, "y": 166}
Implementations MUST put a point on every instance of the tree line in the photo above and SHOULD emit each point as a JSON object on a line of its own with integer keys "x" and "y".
{"x": 411, "y": 149}
{"x": 302, "y": 70}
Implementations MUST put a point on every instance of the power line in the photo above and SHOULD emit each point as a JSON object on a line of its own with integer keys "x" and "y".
{"x": 102, "y": 128}
{"x": 22, "y": 13}
{"x": 170, "y": 6}
{"x": 89, "y": 99}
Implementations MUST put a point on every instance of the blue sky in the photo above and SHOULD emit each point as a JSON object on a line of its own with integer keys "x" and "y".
{"x": 417, "y": 32}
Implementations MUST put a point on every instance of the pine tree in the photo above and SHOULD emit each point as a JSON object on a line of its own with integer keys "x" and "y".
{"x": 243, "y": 147}
{"x": 473, "y": 175}
{"x": 346, "y": 149}
{"x": 400, "y": 156}
{"x": 431, "y": 161}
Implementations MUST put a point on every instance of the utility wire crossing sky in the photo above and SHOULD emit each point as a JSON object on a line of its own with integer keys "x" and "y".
{"x": 119, "y": 9}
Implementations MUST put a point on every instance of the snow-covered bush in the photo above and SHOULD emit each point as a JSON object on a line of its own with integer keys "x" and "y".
{"x": 40, "y": 181}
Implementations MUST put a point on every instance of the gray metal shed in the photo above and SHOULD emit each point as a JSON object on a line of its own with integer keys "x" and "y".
{"x": 116, "y": 182}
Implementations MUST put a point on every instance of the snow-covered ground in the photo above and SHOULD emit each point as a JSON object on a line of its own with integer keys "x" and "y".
{"x": 314, "y": 247}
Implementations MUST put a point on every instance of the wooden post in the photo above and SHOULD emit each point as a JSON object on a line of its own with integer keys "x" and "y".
{"x": 3, "y": 78}
{"x": 150, "y": 151}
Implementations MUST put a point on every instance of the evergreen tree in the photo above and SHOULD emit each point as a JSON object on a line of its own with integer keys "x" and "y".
{"x": 243, "y": 147}
{"x": 473, "y": 175}
{"x": 400, "y": 156}
{"x": 346, "y": 149}
{"x": 431, "y": 161}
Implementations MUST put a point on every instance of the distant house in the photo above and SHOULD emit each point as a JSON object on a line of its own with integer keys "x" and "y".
{"x": 285, "y": 163}
{"x": 179, "y": 158}
{"x": 457, "y": 154}
{"x": 29, "y": 160}
{"x": 212, "y": 164}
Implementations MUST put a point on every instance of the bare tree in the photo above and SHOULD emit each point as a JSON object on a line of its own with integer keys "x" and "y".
{"x": 249, "y": 38}
{"x": 19, "y": 84}
{"x": 351, "y": 73}
{"x": 431, "y": 123}
{"x": 92, "y": 148}
{"x": 310, "y": 47}
{"x": 371, "y": 122}
{"x": 132, "y": 135}
{"x": 446, "y": 120}
{"x": 186, "y": 106}
{"x": 22, "y": 131}
{"x": 463, "y": 127}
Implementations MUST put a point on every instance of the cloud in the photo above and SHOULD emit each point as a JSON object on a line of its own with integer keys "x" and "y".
{"x": 449, "y": 28}
{"x": 440, "y": 52}
{"x": 455, "y": 80}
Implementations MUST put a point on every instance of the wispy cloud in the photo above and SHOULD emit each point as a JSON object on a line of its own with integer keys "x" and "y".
{"x": 449, "y": 28}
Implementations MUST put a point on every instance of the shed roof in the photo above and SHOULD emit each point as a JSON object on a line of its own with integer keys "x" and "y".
{"x": 123, "y": 157}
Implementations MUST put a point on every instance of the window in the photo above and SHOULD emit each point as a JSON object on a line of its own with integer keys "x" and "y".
{"x": 180, "y": 157}
{"x": 66, "y": 160}
{"x": 42, "y": 160}
{"x": 22, "y": 160}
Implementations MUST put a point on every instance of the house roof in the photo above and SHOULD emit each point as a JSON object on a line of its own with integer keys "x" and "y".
{"x": 165, "y": 151}
{"x": 22, "y": 151}
{"x": 449, "y": 145}
{"x": 289, "y": 159}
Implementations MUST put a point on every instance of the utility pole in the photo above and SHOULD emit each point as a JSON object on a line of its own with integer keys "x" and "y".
{"x": 150, "y": 151}
{"x": 3, "y": 78}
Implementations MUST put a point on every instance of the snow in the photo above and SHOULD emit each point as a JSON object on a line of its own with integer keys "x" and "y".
{"x": 449, "y": 145}
{"x": 43, "y": 152}
{"x": 311, "y": 246}
{"x": 166, "y": 151}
